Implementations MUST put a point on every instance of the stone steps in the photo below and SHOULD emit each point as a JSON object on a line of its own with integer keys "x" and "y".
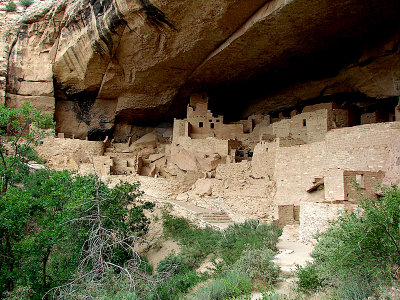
{"x": 215, "y": 217}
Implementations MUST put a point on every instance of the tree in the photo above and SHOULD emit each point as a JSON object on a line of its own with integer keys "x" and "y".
{"x": 61, "y": 232}
{"x": 20, "y": 129}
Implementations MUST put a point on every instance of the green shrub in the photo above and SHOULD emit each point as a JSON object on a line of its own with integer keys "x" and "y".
{"x": 258, "y": 264}
{"x": 308, "y": 278}
{"x": 26, "y": 3}
{"x": 353, "y": 290}
{"x": 10, "y": 6}
{"x": 249, "y": 234}
{"x": 172, "y": 264}
{"x": 177, "y": 285}
{"x": 229, "y": 244}
{"x": 231, "y": 285}
{"x": 360, "y": 253}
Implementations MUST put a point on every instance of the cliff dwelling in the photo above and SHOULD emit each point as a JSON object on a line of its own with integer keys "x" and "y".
{"x": 254, "y": 112}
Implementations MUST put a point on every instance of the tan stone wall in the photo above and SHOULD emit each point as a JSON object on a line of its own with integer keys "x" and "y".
{"x": 334, "y": 185}
{"x": 357, "y": 148}
{"x": 69, "y": 153}
{"x": 316, "y": 217}
{"x": 234, "y": 171}
{"x": 288, "y": 214}
{"x": 392, "y": 175}
{"x": 263, "y": 162}
{"x": 295, "y": 169}
{"x": 281, "y": 128}
{"x": 368, "y": 184}
{"x": 310, "y": 126}
{"x": 181, "y": 128}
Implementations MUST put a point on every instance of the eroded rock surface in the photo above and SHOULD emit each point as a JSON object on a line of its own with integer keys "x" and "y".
{"x": 103, "y": 66}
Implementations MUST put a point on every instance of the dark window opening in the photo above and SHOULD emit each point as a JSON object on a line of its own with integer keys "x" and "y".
{"x": 250, "y": 154}
{"x": 240, "y": 153}
{"x": 304, "y": 122}
{"x": 217, "y": 121}
{"x": 212, "y": 125}
{"x": 200, "y": 124}
{"x": 210, "y": 121}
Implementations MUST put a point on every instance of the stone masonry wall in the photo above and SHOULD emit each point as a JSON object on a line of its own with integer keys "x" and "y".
{"x": 368, "y": 184}
{"x": 263, "y": 162}
{"x": 361, "y": 148}
{"x": 69, "y": 153}
{"x": 316, "y": 217}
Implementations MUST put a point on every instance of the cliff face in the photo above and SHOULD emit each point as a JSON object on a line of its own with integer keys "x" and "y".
{"x": 103, "y": 65}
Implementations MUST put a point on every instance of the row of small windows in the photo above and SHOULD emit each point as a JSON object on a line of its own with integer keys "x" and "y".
{"x": 201, "y": 124}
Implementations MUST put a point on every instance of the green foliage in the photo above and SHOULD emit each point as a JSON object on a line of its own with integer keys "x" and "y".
{"x": 247, "y": 249}
{"x": 20, "y": 129}
{"x": 199, "y": 243}
{"x": 229, "y": 286}
{"x": 249, "y": 234}
{"x": 10, "y": 6}
{"x": 177, "y": 285}
{"x": 229, "y": 244}
{"x": 26, "y": 3}
{"x": 308, "y": 278}
{"x": 172, "y": 264}
{"x": 258, "y": 264}
{"x": 38, "y": 231}
{"x": 361, "y": 251}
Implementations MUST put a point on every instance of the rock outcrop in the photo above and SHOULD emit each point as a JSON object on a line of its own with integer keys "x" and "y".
{"x": 104, "y": 66}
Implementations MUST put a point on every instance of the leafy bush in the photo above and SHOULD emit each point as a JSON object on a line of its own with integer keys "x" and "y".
{"x": 177, "y": 285}
{"x": 26, "y": 3}
{"x": 258, "y": 264}
{"x": 172, "y": 264}
{"x": 10, "y": 6}
{"x": 353, "y": 289}
{"x": 360, "y": 253}
{"x": 229, "y": 244}
{"x": 308, "y": 278}
{"x": 40, "y": 226}
{"x": 229, "y": 286}
{"x": 240, "y": 237}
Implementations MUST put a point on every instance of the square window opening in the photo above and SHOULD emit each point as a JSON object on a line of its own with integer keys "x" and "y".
{"x": 212, "y": 125}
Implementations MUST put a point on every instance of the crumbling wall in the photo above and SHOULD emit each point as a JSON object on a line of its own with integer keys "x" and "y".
{"x": 309, "y": 126}
{"x": 181, "y": 128}
{"x": 316, "y": 217}
{"x": 234, "y": 171}
{"x": 198, "y": 155}
{"x": 281, "y": 128}
{"x": 69, "y": 154}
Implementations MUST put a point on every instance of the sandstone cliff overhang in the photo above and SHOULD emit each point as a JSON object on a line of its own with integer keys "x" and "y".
{"x": 136, "y": 61}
